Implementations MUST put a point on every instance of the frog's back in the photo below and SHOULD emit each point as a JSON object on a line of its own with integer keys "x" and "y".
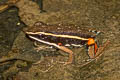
{"x": 61, "y": 29}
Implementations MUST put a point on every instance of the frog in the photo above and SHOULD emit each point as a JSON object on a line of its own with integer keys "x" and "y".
{"x": 63, "y": 36}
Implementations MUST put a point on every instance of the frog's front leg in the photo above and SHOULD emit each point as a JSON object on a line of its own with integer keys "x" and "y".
{"x": 94, "y": 52}
{"x": 101, "y": 49}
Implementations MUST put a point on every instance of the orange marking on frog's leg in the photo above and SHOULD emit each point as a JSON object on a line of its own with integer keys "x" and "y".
{"x": 91, "y": 41}
{"x": 70, "y": 54}
{"x": 92, "y": 48}
{"x": 60, "y": 44}
{"x": 96, "y": 48}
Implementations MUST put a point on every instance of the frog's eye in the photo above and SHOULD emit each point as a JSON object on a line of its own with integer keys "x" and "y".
{"x": 95, "y": 31}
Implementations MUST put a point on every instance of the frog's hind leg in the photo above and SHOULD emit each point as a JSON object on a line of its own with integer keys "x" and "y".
{"x": 65, "y": 49}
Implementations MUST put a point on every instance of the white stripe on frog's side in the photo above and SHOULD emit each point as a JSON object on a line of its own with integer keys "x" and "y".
{"x": 64, "y": 36}
{"x": 45, "y": 42}
{"x": 76, "y": 45}
{"x": 67, "y": 45}
{"x": 52, "y": 44}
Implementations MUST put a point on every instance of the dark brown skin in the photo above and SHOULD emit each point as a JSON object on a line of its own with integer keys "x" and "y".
{"x": 60, "y": 28}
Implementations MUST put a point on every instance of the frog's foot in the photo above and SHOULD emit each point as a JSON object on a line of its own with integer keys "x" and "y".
{"x": 46, "y": 48}
{"x": 42, "y": 47}
{"x": 64, "y": 63}
{"x": 48, "y": 66}
{"x": 38, "y": 62}
{"x": 44, "y": 71}
{"x": 88, "y": 60}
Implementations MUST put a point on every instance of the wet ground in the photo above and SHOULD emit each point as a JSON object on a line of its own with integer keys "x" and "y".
{"x": 17, "y": 53}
